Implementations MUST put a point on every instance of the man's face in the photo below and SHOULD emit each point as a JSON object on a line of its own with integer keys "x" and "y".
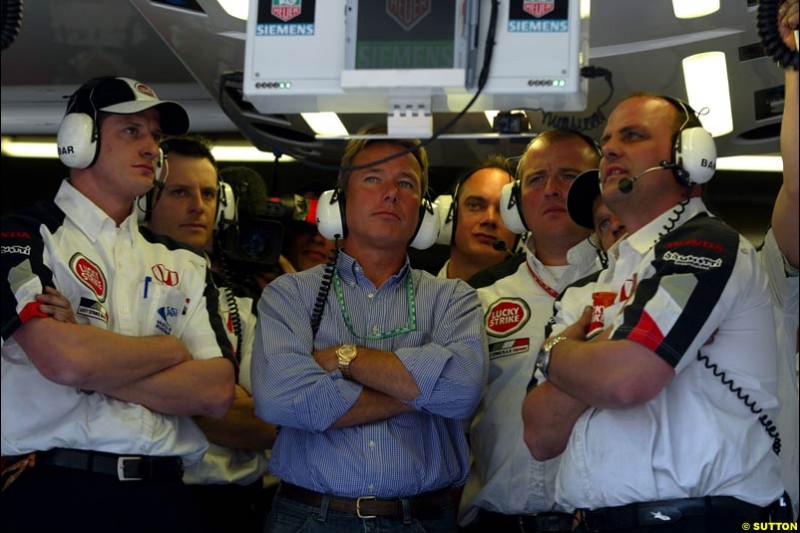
{"x": 186, "y": 208}
{"x": 607, "y": 226}
{"x": 383, "y": 201}
{"x": 638, "y": 136}
{"x": 479, "y": 222}
{"x": 548, "y": 170}
{"x": 308, "y": 248}
{"x": 125, "y": 166}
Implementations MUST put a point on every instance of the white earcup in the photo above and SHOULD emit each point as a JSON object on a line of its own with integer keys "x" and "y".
{"x": 697, "y": 155}
{"x": 428, "y": 230}
{"x": 77, "y": 147}
{"x": 510, "y": 210}
{"x": 329, "y": 216}
{"x": 446, "y": 209}
{"x": 226, "y": 207}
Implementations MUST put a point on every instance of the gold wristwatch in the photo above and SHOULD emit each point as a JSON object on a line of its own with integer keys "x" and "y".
{"x": 346, "y": 353}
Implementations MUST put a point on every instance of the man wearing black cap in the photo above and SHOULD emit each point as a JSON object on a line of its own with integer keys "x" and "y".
{"x": 587, "y": 208}
{"x": 95, "y": 411}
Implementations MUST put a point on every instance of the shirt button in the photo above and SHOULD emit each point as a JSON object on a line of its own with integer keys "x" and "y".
{"x": 372, "y": 444}
{"x": 371, "y": 487}
{"x": 370, "y": 295}
{"x": 375, "y": 329}
{"x": 124, "y": 310}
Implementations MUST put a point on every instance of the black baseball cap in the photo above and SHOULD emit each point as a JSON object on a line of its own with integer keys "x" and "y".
{"x": 125, "y": 96}
{"x": 580, "y": 198}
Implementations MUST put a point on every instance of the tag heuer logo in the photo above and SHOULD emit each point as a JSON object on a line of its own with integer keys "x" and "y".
{"x": 286, "y": 10}
{"x": 89, "y": 274}
{"x": 538, "y": 8}
{"x": 408, "y": 13}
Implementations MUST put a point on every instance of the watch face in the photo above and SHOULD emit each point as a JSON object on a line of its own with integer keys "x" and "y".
{"x": 346, "y": 352}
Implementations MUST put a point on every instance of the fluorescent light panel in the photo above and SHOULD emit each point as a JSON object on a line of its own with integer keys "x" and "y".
{"x": 47, "y": 150}
{"x": 236, "y": 8}
{"x": 751, "y": 163}
{"x": 689, "y": 9}
{"x": 326, "y": 123}
{"x": 706, "y": 78}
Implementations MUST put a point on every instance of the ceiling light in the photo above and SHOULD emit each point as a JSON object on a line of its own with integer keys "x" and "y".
{"x": 326, "y": 123}
{"x": 236, "y": 8}
{"x": 706, "y": 78}
{"x": 245, "y": 153}
{"x": 751, "y": 163}
{"x": 38, "y": 149}
{"x": 30, "y": 149}
{"x": 689, "y": 9}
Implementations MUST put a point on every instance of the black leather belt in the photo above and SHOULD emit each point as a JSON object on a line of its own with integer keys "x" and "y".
{"x": 123, "y": 467}
{"x": 668, "y": 511}
{"x": 525, "y": 523}
{"x": 422, "y": 506}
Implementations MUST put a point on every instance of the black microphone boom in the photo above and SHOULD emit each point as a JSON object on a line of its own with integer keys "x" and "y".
{"x": 499, "y": 245}
{"x": 625, "y": 185}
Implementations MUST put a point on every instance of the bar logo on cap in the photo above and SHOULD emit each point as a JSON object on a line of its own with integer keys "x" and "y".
{"x": 144, "y": 89}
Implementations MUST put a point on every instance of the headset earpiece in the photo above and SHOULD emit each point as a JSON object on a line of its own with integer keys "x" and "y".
{"x": 427, "y": 226}
{"x": 330, "y": 215}
{"x": 447, "y": 212}
{"x": 695, "y": 154}
{"x": 511, "y": 207}
{"x": 77, "y": 140}
{"x": 227, "y": 213}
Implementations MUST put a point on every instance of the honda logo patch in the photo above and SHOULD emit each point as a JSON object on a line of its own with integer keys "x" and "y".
{"x": 165, "y": 275}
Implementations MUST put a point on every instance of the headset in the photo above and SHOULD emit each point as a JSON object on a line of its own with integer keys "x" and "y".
{"x": 331, "y": 219}
{"x": 225, "y": 215}
{"x": 694, "y": 153}
{"x": 448, "y": 205}
{"x": 511, "y": 195}
{"x": 78, "y": 138}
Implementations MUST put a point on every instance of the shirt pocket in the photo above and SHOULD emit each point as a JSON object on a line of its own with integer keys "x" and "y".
{"x": 164, "y": 310}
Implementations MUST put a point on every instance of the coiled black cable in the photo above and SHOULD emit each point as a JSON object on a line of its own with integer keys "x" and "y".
{"x": 324, "y": 289}
{"x": 11, "y": 21}
{"x": 764, "y": 419}
{"x": 593, "y": 121}
{"x": 771, "y": 38}
{"x": 233, "y": 306}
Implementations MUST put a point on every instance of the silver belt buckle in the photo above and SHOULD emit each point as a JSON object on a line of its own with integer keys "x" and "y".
{"x": 358, "y": 507}
{"x": 121, "y": 469}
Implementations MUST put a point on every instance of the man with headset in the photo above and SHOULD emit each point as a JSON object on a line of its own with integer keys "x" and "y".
{"x": 473, "y": 227}
{"x": 658, "y": 393}
{"x": 95, "y": 414}
{"x": 508, "y": 490}
{"x": 367, "y": 365}
{"x": 190, "y": 207}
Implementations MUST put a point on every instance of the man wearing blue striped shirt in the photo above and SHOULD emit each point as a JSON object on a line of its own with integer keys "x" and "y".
{"x": 369, "y": 400}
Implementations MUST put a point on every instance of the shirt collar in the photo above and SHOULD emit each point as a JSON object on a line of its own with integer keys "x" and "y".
{"x": 649, "y": 235}
{"x": 350, "y": 271}
{"x": 87, "y": 216}
{"x": 581, "y": 254}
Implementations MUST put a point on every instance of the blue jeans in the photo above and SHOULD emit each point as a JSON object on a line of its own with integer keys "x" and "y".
{"x": 289, "y": 516}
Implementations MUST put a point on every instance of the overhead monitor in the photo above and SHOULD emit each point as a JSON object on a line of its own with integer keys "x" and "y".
{"x": 353, "y": 56}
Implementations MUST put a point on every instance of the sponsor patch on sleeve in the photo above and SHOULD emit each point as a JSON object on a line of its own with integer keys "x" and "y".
{"x": 506, "y": 316}
{"x": 92, "y": 310}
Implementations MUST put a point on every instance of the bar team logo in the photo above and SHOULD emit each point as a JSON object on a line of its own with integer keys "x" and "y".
{"x": 89, "y": 274}
{"x": 506, "y": 316}
{"x": 408, "y": 13}
{"x": 538, "y": 8}
{"x": 286, "y": 10}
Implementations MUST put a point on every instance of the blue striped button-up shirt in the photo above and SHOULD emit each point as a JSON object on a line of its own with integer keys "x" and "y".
{"x": 406, "y": 454}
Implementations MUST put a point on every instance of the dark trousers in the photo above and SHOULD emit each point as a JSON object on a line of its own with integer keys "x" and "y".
{"x": 46, "y": 498}
{"x": 235, "y": 508}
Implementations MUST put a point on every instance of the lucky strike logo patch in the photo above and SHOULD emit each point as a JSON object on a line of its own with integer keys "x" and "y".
{"x": 89, "y": 274}
{"x": 506, "y": 316}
